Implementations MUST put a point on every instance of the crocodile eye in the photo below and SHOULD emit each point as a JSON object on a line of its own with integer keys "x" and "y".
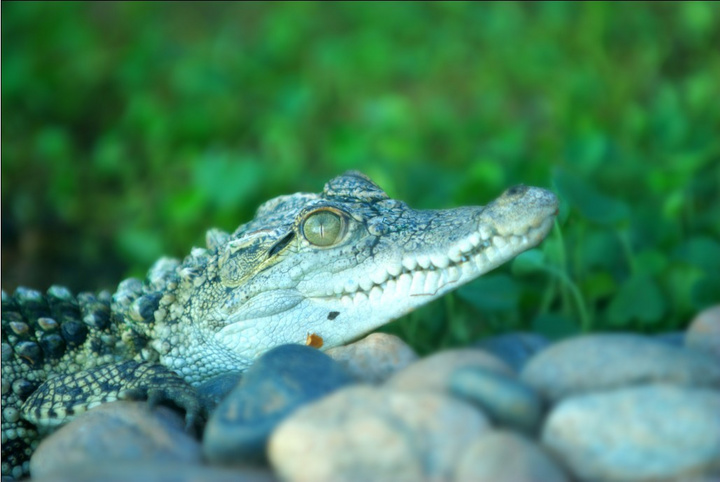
{"x": 324, "y": 227}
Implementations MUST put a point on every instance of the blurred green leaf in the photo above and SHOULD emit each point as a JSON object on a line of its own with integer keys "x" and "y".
{"x": 706, "y": 291}
{"x": 598, "y": 285}
{"x": 588, "y": 200}
{"x": 588, "y": 150}
{"x": 109, "y": 155}
{"x": 555, "y": 326}
{"x": 53, "y": 143}
{"x": 639, "y": 298}
{"x": 700, "y": 251}
{"x": 226, "y": 181}
{"x": 529, "y": 262}
{"x": 144, "y": 245}
{"x": 600, "y": 249}
{"x": 651, "y": 262}
{"x": 494, "y": 292}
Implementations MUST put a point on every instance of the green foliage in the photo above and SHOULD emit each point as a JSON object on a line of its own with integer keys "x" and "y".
{"x": 130, "y": 128}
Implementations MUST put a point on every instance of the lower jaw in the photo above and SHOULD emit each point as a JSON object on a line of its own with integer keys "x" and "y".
{"x": 428, "y": 282}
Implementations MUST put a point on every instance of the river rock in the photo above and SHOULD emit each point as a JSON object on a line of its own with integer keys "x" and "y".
{"x": 374, "y": 358}
{"x": 212, "y": 392}
{"x": 641, "y": 433}
{"x": 279, "y": 382}
{"x": 515, "y": 349}
{"x": 607, "y": 361}
{"x": 703, "y": 334}
{"x": 118, "y": 432}
{"x": 366, "y": 433}
{"x": 508, "y": 402}
{"x": 433, "y": 372}
{"x": 501, "y": 456}
{"x": 674, "y": 338}
{"x": 157, "y": 472}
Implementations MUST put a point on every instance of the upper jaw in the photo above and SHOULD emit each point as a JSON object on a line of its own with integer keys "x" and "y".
{"x": 494, "y": 234}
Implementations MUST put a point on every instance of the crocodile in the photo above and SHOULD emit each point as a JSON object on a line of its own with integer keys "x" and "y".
{"x": 317, "y": 269}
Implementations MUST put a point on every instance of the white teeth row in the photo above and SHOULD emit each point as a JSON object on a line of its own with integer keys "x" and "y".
{"x": 414, "y": 283}
{"x": 426, "y": 273}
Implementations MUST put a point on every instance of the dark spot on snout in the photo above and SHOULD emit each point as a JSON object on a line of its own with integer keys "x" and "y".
{"x": 515, "y": 190}
{"x": 333, "y": 314}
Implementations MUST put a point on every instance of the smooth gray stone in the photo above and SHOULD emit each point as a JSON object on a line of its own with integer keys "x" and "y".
{"x": 279, "y": 382}
{"x": 117, "y": 432}
{"x": 515, "y": 349}
{"x": 502, "y": 456}
{"x": 364, "y": 433}
{"x": 508, "y": 402}
{"x": 703, "y": 334}
{"x": 432, "y": 373}
{"x": 642, "y": 433}
{"x": 606, "y": 361}
{"x": 158, "y": 472}
{"x": 673, "y": 338}
{"x": 213, "y": 391}
{"x": 374, "y": 358}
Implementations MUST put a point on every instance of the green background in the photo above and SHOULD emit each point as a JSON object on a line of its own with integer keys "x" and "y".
{"x": 129, "y": 129}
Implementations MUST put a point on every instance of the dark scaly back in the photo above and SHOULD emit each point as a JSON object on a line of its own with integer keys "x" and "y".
{"x": 44, "y": 335}
{"x": 58, "y": 333}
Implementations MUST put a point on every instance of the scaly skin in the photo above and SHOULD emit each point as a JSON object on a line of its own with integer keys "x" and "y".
{"x": 319, "y": 269}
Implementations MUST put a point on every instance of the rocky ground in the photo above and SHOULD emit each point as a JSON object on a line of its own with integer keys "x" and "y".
{"x": 601, "y": 407}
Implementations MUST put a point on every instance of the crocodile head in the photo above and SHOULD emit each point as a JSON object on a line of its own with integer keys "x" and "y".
{"x": 324, "y": 269}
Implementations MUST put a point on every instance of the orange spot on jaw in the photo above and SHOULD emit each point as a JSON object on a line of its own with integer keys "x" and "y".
{"x": 314, "y": 340}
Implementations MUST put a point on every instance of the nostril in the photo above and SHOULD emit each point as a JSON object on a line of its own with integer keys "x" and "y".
{"x": 515, "y": 190}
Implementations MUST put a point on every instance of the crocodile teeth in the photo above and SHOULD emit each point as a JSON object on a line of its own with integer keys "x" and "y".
{"x": 375, "y": 294}
{"x": 455, "y": 255}
{"x": 440, "y": 261}
{"x": 490, "y": 253}
{"x": 482, "y": 260}
{"x": 366, "y": 284}
{"x": 351, "y": 286}
{"x": 453, "y": 274}
{"x": 467, "y": 270}
{"x": 390, "y": 286}
{"x": 465, "y": 246}
{"x": 379, "y": 277}
{"x": 499, "y": 242}
{"x": 423, "y": 261}
{"x": 425, "y": 274}
{"x": 403, "y": 283}
{"x": 409, "y": 264}
{"x": 432, "y": 281}
{"x": 360, "y": 298}
{"x": 418, "y": 283}
{"x": 395, "y": 270}
{"x": 485, "y": 232}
